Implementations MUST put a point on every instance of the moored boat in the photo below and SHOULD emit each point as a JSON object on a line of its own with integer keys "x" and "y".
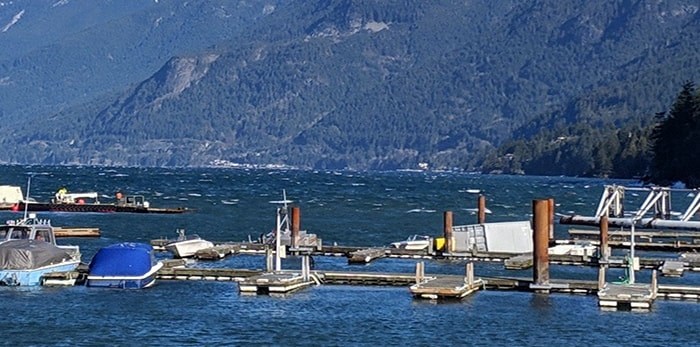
{"x": 413, "y": 243}
{"x": 89, "y": 202}
{"x": 28, "y": 251}
{"x": 127, "y": 265}
{"x": 187, "y": 245}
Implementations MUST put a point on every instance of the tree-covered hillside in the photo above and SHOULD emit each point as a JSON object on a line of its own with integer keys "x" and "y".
{"x": 57, "y": 53}
{"x": 389, "y": 84}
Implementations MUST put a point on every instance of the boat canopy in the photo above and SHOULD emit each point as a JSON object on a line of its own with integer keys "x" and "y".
{"x": 30, "y": 254}
{"x": 122, "y": 259}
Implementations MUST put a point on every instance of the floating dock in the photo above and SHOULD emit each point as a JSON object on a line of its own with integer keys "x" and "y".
{"x": 365, "y": 256}
{"x": 448, "y": 287}
{"x": 275, "y": 283}
{"x": 626, "y": 296}
{"x": 76, "y": 232}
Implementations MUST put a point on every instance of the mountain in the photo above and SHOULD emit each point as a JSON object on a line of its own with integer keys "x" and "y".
{"x": 372, "y": 84}
{"x": 58, "y": 53}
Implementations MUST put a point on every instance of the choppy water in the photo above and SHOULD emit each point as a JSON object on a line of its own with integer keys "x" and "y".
{"x": 343, "y": 207}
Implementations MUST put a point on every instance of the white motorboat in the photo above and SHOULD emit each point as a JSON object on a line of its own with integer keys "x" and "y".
{"x": 187, "y": 245}
{"x": 414, "y": 243}
{"x": 28, "y": 251}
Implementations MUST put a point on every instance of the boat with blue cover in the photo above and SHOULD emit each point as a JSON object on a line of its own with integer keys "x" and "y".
{"x": 127, "y": 265}
{"x": 28, "y": 251}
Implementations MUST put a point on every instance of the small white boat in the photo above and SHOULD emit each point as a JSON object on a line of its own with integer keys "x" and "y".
{"x": 187, "y": 245}
{"x": 415, "y": 243}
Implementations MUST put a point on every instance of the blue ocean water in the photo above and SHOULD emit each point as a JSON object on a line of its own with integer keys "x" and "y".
{"x": 347, "y": 208}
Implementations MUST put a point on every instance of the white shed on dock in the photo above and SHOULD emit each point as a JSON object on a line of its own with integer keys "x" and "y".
{"x": 502, "y": 237}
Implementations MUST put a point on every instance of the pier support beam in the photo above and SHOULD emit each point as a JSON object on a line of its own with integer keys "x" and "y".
{"x": 540, "y": 242}
{"x": 481, "y": 209}
{"x": 604, "y": 249}
{"x": 447, "y": 231}
{"x": 550, "y": 207}
{"x": 296, "y": 226}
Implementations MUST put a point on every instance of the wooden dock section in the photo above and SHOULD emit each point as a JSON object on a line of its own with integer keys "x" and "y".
{"x": 365, "y": 256}
{"x": 518, "y": 262}
{"x": 626, "y": 296}
{"x": 672, "y": 241}
{"x": 76, "y": 232}
{"x": 275, "y": 283}
{"x": 447, "y": 287}
{"x": 217, "y": 252}
{"x": 64, "y": 278}
{"x": 205, "y": 274}
{"x": 672, "y": 268}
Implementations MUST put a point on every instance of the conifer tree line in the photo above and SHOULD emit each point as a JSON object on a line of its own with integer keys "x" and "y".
{"x": 676, "y": 142}
{"x": 659, "y": 149}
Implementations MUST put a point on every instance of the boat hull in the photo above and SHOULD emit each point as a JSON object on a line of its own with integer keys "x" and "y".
{"x": 125, "y": 282}
{"x": 95, "y": 208}
{"x": 33, "y": 277}
{"x": 184, "y": 249}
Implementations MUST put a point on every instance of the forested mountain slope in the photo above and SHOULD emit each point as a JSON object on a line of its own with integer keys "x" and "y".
{"x": 385, "y": 84}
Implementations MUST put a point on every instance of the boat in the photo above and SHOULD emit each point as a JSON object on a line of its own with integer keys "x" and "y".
{"x": 126, "y": 265}
{"x": 10, "y": 195}
{"x": 28, "y": 252}
{"x": 89, "y": 202}
{"x": 187, "y": 245}
{"x": 414, "y": 243}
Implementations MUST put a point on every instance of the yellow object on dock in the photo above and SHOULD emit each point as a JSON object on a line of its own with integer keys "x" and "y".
{"x": 439, "y": 243}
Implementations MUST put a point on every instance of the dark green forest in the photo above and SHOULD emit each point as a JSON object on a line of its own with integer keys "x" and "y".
{"x": 659, "y": 149}
{"x": 540, "y": 87}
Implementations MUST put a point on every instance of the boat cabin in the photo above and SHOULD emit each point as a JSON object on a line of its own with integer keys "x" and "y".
{"x": 132, "y": 200}
{"x": 76, "y": 198}
{"x": 22, "y": 231}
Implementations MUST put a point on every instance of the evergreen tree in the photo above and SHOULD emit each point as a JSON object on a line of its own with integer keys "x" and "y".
{"x": 675, "y": 139}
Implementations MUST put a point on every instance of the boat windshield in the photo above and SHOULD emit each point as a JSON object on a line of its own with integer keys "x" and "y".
{"x": 14, "y": 232}
{"x": 43, "y": 235}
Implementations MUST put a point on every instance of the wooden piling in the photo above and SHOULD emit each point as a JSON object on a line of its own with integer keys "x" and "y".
{"x": 469, "y": 274}
{"x": 481, "y": 209}
{"x": 601, "y": 277}
{"x": 604, "y": 255}
{"x": 296, "y": 226}
{"x": 447, "y": 230}
{"x": 550, "y": 207}
{"x": 420, "y": 272}
{"x": 540, "y": 242}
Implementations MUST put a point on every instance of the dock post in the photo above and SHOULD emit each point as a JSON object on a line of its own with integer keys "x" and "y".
{"x": 654, "y": 284}
{"x": 268, "y": 259}
{"x": 481, "y": 209}
{"x": 601, "y": 277}
{"x": 305, "y": 267}
{"x": 604, "y": 239}
{"x": 278, "y": 245}
{"x": 420, "y": 272}
{"x": 447, "y": 230}
{"x": 296, "y": 226}
{"x": 469, "y": 275}
{"x": 540, "y": 241}
{"x": 550, "y": 207}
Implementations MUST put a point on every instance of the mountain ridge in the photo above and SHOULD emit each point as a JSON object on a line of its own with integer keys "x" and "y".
{"x": 386, "y": 85}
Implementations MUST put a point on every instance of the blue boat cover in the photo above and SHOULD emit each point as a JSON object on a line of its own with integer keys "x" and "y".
{"x": 122, "y": 259}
